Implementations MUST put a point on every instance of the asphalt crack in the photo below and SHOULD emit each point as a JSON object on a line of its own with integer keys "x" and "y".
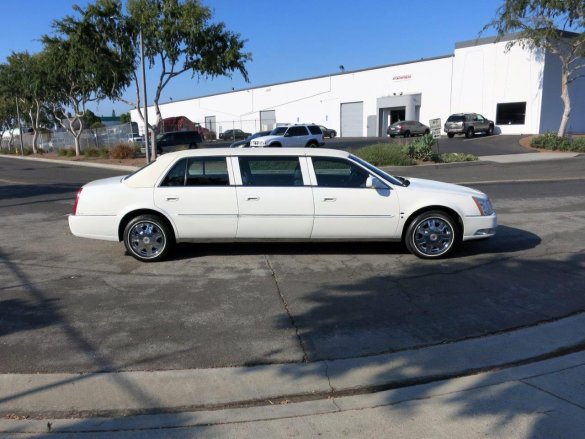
{"x": 305, "y": 358}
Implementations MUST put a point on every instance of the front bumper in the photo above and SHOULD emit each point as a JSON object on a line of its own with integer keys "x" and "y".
{"x": 479, "y": 227}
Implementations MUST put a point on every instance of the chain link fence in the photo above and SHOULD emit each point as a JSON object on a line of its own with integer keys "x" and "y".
{"x": 50, "y": 141}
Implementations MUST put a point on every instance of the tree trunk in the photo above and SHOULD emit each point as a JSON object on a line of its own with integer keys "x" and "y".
{"x": 77, "y": 145}
{"x": 566, "y": 98}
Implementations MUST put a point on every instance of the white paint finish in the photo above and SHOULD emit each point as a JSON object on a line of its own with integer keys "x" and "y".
{"x": 94, "y": 227}
{"x": 200, "y": 212}
{"x": 275, "y": 212}
{"x": 359, "y": 212}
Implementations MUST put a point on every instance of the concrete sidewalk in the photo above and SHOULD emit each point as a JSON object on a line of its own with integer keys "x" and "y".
{"x": 193, "y": 398}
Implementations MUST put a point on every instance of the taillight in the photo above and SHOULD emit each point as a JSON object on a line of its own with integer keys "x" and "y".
{"x": 77, "y": 201}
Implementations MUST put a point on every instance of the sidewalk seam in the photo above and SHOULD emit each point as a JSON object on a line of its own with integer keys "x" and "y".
{"x": 534, "y": 386}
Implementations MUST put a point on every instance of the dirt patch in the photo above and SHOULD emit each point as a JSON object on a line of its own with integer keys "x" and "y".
{"x": 139, "y": 161}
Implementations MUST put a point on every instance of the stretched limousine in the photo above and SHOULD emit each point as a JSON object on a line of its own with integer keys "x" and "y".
{"x": 276, "y": 194}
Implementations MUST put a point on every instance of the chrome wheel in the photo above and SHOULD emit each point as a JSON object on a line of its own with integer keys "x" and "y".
{"x": 147, "y": 239}
{"x": 432, "y": 234}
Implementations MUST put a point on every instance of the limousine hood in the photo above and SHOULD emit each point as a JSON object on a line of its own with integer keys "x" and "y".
{"x": 420, "y": 184}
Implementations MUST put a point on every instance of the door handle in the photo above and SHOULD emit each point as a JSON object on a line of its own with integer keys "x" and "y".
{"x": 172, "y": 198}
{"x": 253, "y": 198}
{"x": 329, "y": 199}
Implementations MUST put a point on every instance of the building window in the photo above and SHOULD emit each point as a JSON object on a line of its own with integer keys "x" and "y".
{"x": 511, "y": 113}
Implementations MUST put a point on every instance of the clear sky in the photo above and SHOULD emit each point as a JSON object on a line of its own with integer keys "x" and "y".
{"x": 290, "y": 39}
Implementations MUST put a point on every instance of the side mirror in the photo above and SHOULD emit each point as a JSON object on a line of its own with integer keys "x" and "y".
{"x": 375, "y": 183}
{"x": 286, "y": 134}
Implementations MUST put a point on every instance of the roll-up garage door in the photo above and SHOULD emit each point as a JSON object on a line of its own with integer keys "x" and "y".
{"x": 352, "y": 119}
{"x": 267, "y": 120}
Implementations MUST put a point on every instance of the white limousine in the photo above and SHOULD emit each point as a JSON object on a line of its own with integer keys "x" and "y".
{"x": 276, "y": 194}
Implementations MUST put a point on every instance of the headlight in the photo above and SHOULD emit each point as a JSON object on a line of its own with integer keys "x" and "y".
{"x": 484, "y": 205}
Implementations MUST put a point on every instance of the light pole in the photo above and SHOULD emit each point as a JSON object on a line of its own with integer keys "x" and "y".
{"x": 146, "y": 133}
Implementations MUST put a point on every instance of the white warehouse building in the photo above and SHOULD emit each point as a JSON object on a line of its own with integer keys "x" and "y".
{"x": 519, "y": 89}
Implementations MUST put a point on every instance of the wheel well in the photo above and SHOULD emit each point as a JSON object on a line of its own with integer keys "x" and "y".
{"x": 275, "y": 145}
{"x": 443, "y": 209}
{"x": 311, "y": 142}
{"x": 128, "y": 217}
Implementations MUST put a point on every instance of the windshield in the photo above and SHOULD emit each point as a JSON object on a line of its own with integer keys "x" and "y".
{"x": 377, "y": 171}
{"x": 278, "y": 131}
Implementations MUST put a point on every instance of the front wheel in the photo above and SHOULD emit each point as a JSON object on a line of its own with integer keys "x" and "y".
{"x": 490, "y": 130}
{"x": 312, "y": 145}
{"x": 431, "y": 235}
{"x": 148, "y": 238}
{"x": 469, "y": 133}
{"x": 407, "y": 134}
{"x": 450, "y": 135}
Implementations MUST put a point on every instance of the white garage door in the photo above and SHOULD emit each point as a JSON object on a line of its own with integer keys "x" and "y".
{"x": 352, "y": 119}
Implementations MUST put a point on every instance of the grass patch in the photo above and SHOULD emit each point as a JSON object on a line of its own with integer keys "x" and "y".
{"x": 384, "y": 154}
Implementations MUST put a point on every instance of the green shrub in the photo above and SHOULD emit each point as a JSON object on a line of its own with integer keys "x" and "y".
{"x": 122, "y": 151}
{"x": 421, "y": 149}
{"x": 28, "y": 151}
{"x": 578, "y": 144}
{"x": 551, "y": 141}
{"x": 70, "y": 152}
{"x": 92, "y": 152}
{"x": 104, "y": 153}
{"x": 453, "y": 157}
{"x": 384, "y": 154}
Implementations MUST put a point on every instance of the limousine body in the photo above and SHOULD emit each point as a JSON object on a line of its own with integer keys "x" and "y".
{"x": 276, "y": 194}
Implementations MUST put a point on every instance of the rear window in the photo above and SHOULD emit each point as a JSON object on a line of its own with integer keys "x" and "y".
{"x": 458, "y": 118}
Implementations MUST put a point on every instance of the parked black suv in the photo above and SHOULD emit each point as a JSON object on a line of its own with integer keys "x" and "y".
{"x": 468, "y": 124}
{"x": 175, "y": 140}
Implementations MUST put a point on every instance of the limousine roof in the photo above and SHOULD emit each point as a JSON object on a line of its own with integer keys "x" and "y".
{"x": 148, "y": 176}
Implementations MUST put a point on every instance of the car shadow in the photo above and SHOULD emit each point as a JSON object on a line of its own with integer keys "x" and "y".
{"x": 507, "y": 240}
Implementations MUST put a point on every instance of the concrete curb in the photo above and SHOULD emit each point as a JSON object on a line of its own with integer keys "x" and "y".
{"x": 132, "y": 393}
{"x": 528, "y": 157}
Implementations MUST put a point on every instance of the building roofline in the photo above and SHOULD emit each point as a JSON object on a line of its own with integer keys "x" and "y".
{"x": 348, "y": 72}
{"x": 498, "y": 39}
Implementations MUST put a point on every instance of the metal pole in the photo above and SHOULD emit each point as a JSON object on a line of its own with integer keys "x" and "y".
{"x": 19, "y": 128}
{"x": 146, "y": 133}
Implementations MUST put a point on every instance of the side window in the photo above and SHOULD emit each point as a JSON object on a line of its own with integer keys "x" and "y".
{"x": 176, "y": 176}
{"x": 314, "y": 129}
{"x": 297, "y": 131}
{"x": 338, "y": 173}
{"x": 271, "y": 171}
{"x": 480, "y": 118}
{"x": 207, "y": 171}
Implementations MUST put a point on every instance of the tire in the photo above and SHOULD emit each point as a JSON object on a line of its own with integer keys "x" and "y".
{"x": 331, "y": 135}
{"x": 490, "y": 131}
{"x": 427, "y": 132}
{"x": 450, "y": 135}
{"x": 148, "y": 238}
{"x": 392, "y": 136}
{"x": 312, "y": 145}
{"x": 469, "y": 133}
{"x": 275, "y": 145}
{"x": 431, "y": 235}
{"x": 193, "y": 146}
{"x": 406, "y": 134}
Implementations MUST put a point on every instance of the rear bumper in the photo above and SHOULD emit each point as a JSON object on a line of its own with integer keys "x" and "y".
{"x": 479, "y": 227}
{"x": 94, "y": 227}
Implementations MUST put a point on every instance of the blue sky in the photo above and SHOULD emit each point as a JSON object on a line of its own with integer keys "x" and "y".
{"x": 290, "y": 39}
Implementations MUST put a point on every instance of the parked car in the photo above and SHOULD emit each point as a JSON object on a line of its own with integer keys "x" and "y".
{"x": 276, "y": 194}
{"x": 176, "y": 140}
{"x": 407, "y": 128}
{"x": 135, "y": 138}
{"x": 246, "y": 143}
{"x": 298, "y": 136}
{"x": 328, "y": 132}
{"x": 234, "y": 135}
{"x": 468, "y": 124}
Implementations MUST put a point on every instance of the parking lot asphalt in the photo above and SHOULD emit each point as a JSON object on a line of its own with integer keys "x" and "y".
{"x": 74, "y": 305}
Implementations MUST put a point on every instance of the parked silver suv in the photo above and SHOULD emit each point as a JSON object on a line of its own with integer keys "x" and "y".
{"x": 310, "y": 136}
{"x": 468, "y": 124}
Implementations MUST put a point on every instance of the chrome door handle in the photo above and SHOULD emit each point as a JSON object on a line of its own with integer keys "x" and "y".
{"x": 329, "y": 199}
{"x": 172, "y": 198}
{"x": 252, "y": 198}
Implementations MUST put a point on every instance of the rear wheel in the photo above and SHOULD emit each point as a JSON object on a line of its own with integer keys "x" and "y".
{"x": 490, "y": 130}
{"x": 193, "y": 146}
{"x": 312, "y": 145}
{"x": 450, "y": 135}
{"x": 469, "y": 133}
{"x": 431, "y": 235}
{"x": 148, "y": 238}
{"x": 407, "y": 134}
